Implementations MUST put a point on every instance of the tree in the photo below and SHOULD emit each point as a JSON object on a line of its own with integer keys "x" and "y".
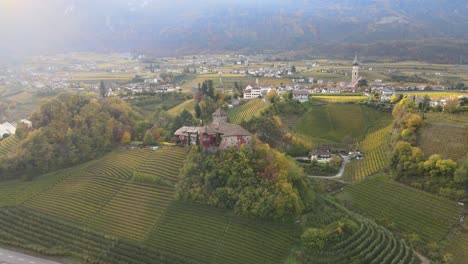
{"x": 126, "y": 138}
{"x": 197, "y": 110}
{"x": 362, "y": 83}
{"x": 313, "y": 239}
{"x": 102, "y": 89}
{"x": 451, "y": 106}
{"x": 148, "y": 139}
{"x": 293, "y": 69}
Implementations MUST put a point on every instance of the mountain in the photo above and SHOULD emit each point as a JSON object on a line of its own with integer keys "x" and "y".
{"x": 181, "y": 27}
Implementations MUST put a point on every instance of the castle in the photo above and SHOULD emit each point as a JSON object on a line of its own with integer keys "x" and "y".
{"x": 218, "y": 135}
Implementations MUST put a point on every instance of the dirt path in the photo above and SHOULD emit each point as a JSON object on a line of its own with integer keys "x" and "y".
{"x": 423, "y": 259}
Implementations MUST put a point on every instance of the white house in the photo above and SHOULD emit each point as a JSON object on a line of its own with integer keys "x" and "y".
{"x": 301, "y": 95}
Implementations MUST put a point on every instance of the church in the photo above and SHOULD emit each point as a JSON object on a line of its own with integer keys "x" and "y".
{"x": 355, "y": 78}
{"x": 218, "y": 135}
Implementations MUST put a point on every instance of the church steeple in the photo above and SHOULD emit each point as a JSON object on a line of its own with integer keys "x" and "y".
{"x": 356, "y": 61}
{"x": 355, "y": 73}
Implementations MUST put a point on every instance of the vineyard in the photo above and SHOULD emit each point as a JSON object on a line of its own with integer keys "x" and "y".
{"x": 339, "y": 99}
{"x": 435, "y": 94}
{"x": 370, "y": 244}
{"x": 452, "y": 145}
{"x": 188, "y": 105}
{"x": 407, "y": 209}
{"x": 99, "y": 211}
{"x": 8, "y": 144}
{"x": 247, "y": 111}
{"x": 458, "y": 247}
{"x": 333, "y": 122}
{"x": 376, "y": 148}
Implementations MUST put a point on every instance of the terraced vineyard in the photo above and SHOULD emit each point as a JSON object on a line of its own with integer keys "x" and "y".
{"x": 115, "y": 219}
{"x": 411, "y": 210}
{"x": 246, "y": 111}
{"x": 339, "y": 99}
{"x": 119, "y": 164}
{"x": 8, "y": 144}
{"x": 370, "y": 244}
{"x": 216, "y": 236}
{"x": 377, "y": 151}
{"x": 452, "y": 145}
{"x": 331, "y": 123}
{"x": 164, "y": 163}
{"x": 188, "y": 105}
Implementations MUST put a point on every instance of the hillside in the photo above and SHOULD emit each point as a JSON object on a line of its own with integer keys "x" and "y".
{"x": 445, "y": 136}
{"x": 246, "y": 111}
{"x": 406, "y": 210}
{"x": 332, "y": 123}
{"x": 110, "y": 209}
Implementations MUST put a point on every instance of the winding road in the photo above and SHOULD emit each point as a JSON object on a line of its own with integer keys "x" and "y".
{"x": 12, "y": 257}
{"x": 339, "y": 174}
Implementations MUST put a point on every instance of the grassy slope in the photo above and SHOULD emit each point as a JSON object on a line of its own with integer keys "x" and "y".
{"x": 331, "y": 123}
{"x": 101, "y": 195}
{"x": 408, "y": 209}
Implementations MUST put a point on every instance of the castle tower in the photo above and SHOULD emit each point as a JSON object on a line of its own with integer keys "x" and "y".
{"x": 355, "y": 72}
{"x": 219, "y": 116}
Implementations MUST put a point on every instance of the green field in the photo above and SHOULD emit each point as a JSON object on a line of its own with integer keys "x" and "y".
{"x": 333, "y": 122}
{"x": 406, "y": 209}
{"x": 448, "y": 140}
{"x": 188, "y": 105}
{"x": 376, "y": 148}
{"x": 101, "y": 203}
{"x": 247, "y": 111}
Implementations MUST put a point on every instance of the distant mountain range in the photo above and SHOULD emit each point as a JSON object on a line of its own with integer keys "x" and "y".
{"x": 184, "y": 27}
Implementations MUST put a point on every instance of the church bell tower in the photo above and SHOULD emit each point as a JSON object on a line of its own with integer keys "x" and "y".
{"x": 355, "y": 72}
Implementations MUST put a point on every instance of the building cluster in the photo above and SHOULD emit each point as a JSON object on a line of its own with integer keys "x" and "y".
{"x": 218, "y": 135}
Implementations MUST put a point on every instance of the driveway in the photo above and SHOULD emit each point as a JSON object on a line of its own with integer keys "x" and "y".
{"x": 12, "y": 257}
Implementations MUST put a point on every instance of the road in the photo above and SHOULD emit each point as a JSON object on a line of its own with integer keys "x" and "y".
{"x": 340, "y": 172}
{"x": 12, "y": 257}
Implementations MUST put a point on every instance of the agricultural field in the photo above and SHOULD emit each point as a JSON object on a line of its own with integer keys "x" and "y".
{"x": 376, "y": 148}
{"x": 448, "y": 140}
{"x": 370, "y": 244}
{"x": 436, "y": 94}
{"x": 333, "y": 122}
{"x": 403, "y": 208}
{"x": 458, "y": 247}
{"x": 188, "y": 105}
{"x": 338, "y": 98}
{"x": 108, "y": 208}
{"x": 8, "y": 144}
{"x": 247, "y": 111}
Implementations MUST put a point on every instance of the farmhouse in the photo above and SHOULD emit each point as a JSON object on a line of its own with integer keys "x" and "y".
{"x": 301, "y": 95}
{"x": 218, "y": 135}
{"x": 320, "y": 155}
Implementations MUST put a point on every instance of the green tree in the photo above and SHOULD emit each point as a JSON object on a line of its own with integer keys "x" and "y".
{"x": 362, "y": 83}
{"x": 148, "y": 139}
{"x": 102, "y": 89}
{"x": 293, "y": 69}
{"x": 198, "y": 110}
